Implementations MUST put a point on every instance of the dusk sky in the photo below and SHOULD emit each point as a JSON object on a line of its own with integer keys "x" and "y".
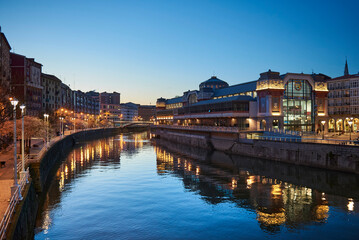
{"x": 151, "y": 49}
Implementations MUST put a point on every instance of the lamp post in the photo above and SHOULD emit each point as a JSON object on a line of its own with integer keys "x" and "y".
{"x": 23, "y": 173}
{"x": 323, "y": 123}
{"x": 14, "y": 102}
{"x": 46, "y": 118}
{"x": 74, "y": 119}
{"x": 61, "y": 126}
{"x": 350, "y": 122}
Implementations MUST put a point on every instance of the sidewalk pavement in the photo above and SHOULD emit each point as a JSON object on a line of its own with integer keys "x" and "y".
{"x": 7, "y": 172}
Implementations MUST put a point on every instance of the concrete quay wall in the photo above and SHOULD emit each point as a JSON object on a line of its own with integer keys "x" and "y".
{"x": 328, "y": 156}
{"x": 331, "y": 182}
{"x": 42, "y": 172}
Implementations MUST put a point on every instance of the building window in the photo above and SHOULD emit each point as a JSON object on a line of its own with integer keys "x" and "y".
{"x": 298, "y": 105}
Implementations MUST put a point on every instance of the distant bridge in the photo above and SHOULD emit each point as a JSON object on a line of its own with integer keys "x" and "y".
{"x": 122, "y": 123}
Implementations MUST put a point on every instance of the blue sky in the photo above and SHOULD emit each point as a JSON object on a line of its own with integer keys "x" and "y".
{"x": 151, "y": 49}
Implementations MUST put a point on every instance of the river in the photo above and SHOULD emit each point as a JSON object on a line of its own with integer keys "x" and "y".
{"x": 132, "y": 187}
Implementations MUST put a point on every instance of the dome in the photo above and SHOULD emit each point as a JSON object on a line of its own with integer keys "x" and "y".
{"x": 214, "y": 83}
{"x": 161, "y": 103}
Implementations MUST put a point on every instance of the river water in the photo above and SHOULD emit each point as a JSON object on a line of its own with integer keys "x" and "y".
{"x": 131, "y": 187}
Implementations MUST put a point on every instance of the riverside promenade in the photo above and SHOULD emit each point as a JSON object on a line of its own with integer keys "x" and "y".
{"x": 37, "y": 150}
{"x": 7, "y": 171}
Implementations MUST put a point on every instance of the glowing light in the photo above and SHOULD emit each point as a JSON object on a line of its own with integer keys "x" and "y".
{"x": 234, "y": 183}
{"x": 250, "y": 181}
{"x": 350, "y": 204}
{"x": 271, "y": 218}
{"x": 276, "y": 191}
{"x": 322, "y": 212}
{"x": 197, "y": 170}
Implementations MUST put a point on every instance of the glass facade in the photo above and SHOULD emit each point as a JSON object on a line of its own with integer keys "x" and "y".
{"x": 298, "y": 105}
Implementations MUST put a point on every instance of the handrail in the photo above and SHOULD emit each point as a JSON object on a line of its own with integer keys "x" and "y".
{"x": 201, "y": 128}
{"x": 15, "y": 198}
{"x": 309, "y": 140}
{"x": 19, "y": 163}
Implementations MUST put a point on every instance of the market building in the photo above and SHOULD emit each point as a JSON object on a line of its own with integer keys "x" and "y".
{"x": 291, "y": 101}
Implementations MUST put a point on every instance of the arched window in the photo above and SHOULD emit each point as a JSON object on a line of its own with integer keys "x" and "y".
{"x": 192, "y": 98}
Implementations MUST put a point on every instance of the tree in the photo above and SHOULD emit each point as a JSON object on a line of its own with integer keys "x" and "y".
{"x": 5, "y": 107}
{"x": 33, "y": 127}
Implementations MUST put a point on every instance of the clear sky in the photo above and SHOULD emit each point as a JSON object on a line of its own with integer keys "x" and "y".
{"x": 151, "y": 49}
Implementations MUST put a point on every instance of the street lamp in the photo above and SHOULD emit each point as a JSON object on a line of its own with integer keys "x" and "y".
{"x": 61, "y": 126}
{"x": 23, "y": 173}
{"x": 14, "y": 102}
{"x": 73, "y": 119}
{"x": 350, "y": 122}
{"x": 46, "y": 118}
{"x": 323, "y": 123}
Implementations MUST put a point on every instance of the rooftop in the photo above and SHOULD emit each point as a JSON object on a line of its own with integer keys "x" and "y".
{"x": 238, "y": 88}
{"x": 346, "y": 77}
{"x": 174, "y": 100}
{"x": 221, "y": 100}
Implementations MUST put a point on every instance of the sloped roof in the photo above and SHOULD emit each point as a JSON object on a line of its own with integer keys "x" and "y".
{"x": 346, "y": 77}
{"x": 214, "y": 80}
{"x": 6, "y": 41}
{"x": 239, "y": 88}
{"x": 227, "y": 99}
{"x": 174, "y": 100}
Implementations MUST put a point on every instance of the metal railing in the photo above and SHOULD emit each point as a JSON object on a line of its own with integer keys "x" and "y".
{"x": 309, "y": 140}
{"x": 14, "y": 200}
{"x": 19, "y": 162}
{"x": 284, "y": 131}
{"x": 202, "y": 128}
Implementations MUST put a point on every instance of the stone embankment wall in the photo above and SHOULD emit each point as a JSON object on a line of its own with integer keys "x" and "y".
{"x": 42, "y": 172}
{"x": 327, "y": 156}
{"x": 331, "y": 182}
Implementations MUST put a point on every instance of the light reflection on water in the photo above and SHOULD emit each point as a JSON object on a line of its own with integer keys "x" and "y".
{"x": 127, "y": 188}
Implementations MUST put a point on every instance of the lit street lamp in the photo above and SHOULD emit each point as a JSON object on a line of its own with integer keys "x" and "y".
{"x": 14, "y": 102}
{"x": 350, "y": 122}
{"x": 46, "y": 118}
{"x": 23, "y": 173}
{"x": 74, "y": 119}
{"x": 61, "y": 126}
{"x": 323, "y": 123}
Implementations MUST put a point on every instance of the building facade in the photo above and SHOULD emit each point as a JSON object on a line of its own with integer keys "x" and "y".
{"x": 67, "y": 99}
{"x": 110, "y": 105}
{"x": 129, "y": 111}
{"x": 343, "y": 102}
{"x": 95, "y": 96}
{"x": 84, "y": 104}
{"x": 5, "y": 69}
{"x": 146, "y": 112}
{"x": 290, "y": 101}
{"x": 51, "y": 93}
{"x": 26, "y": 83}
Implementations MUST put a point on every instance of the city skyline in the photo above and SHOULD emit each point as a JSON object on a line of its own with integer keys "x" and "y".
{"x": 158, "y": 49}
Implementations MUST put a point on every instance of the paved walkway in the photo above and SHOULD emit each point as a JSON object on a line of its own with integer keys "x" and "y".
{"x": 7, "y": 172}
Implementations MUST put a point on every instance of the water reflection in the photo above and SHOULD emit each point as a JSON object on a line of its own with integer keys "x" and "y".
{"x": 281, "y": 195}
{"x": 102, "y": 153}
{"x": 125, "y": 188}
